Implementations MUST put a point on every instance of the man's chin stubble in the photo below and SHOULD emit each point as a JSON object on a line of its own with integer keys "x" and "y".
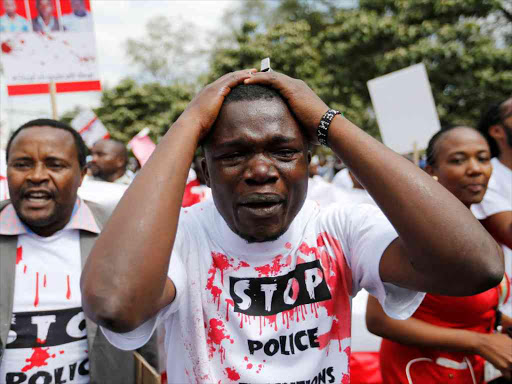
{"x": 256, "y": 239}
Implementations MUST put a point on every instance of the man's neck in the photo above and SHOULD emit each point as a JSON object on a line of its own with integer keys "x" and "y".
{"x": 505, "y": 157}
{"x": 114, "y": 176}
{"x": 46, "y": 20}
{"x": 11, "y": 15}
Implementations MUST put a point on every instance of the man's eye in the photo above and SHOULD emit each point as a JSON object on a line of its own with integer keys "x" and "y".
{"x": 285, "y": 153}
{"x": 20, "y": 164}
{"x": 56, "y": 165}
{"x": 457, "y": 161}
{"x": 232, "y": 156}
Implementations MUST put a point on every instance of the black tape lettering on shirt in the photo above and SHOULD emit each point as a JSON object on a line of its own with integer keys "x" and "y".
{"x": 265, "y": 296}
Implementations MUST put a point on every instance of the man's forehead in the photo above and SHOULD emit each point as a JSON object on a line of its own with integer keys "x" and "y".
{"x": 256, "y": 114}
{"x": 108, "y": 146}
{"x": 52, "y": 138}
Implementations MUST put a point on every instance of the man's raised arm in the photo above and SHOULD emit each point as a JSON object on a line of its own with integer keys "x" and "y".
{"x": 124, "y": 282}
{"x": 441, "y": 247}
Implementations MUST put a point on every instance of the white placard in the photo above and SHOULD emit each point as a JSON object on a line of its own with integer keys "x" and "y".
{"x": 34, "y": 53}
{"x": 90, "y": 127}
{"x": 405, "y": 108}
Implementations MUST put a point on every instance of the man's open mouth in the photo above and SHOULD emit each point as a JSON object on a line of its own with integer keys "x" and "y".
{"x": 38, "y": 196}
{"x": 261, "y": 205}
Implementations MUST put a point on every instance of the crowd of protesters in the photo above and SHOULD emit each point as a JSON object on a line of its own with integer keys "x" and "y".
{"x": 243, "y": 251}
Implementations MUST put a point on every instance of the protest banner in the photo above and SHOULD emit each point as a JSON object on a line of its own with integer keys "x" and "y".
{"x": 405, "y": 109}
{"x": 48, "y": 41}
{"x": 142, "y": 146}
{"x": 90, "y": 127}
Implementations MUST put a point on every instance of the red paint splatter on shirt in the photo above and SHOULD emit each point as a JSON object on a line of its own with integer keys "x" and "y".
{"x": 36, "y": 299}
{"x": 232, "y": 374}
{"x": 25, "y": 269}
{"x": 38, "y": 359}
{"x": 61, "y": 352}
{"x": 19, "y": 254}
{"x": 288, "y": 245}
{"x": 249, "y": 366}
{"x": 339, "y": 279}
{"x": 217, "y": 333}
{"x": 68, "y": 293}
{"x": 222, "y": 263}
{"x": 44, "y": 281}
{"x": 40, "y": 341}
{"x": 307, "y": 250}
{"x": 228, "y": 303}
{"x": 6, "y": 48}
{"x": 272, "y": 269}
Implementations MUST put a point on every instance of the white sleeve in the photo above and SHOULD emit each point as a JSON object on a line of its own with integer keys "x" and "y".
{"x": 177, "y": 273}
{"x": 494, "y": 202}
{"x": 365, "y": 234}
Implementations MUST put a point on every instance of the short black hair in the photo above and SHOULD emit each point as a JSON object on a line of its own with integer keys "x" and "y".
{"x": 431, "y": 151}
{"x": 81, "y": 148}
{"x": 251, "y": 92}
{"x": 492, "y": 116}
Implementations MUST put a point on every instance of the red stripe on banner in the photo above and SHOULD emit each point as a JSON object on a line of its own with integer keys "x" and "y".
{"x": 78, "y": 86}
{"x": 28, "y": 89}
{"x": 88, "y": 125}
{"x": 38, "y": 89}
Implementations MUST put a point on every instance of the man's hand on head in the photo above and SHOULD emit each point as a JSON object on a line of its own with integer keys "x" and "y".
{"x": 305, "y": 104}
{"x": 204, "y": 108}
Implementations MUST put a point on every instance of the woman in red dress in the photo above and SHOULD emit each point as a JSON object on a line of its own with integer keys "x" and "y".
{"x": 448, "y": 339}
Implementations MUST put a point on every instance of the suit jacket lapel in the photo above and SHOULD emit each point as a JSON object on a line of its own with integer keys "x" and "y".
{"x": 87, "y": 240}
{"x": 8, "y": 246}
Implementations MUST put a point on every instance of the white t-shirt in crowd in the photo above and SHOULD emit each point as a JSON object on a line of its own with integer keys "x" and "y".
{"x": 343, "y": 180}
{"x": 325, "y": 193}
{"x": 498, "y": 198}
{"x": 270, "y": 312}
{"x": 47, "y": 342}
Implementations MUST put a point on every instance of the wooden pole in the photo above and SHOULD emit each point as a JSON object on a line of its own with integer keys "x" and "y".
{"x": 53, "y": 99}
{"x": 415, "y": 154}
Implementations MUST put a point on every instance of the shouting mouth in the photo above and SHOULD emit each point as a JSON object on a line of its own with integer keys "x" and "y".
{"x": 261, "y": 205}
{"x": 38, "y": 197}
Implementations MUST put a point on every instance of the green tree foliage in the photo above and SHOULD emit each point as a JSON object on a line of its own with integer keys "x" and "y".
{"x": 130, "y": 107}
{"x": 337, "y": 50}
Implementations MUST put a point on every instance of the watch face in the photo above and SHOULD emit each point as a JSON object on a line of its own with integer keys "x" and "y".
{"x": 265, "y": 65}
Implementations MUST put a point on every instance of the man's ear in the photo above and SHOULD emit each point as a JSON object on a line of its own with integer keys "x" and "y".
{"x": 430, "y": 170}
{"x": 206, "y": 173}
{"x": 497, "y": 132}
{"x": 83, "y": 172}
{"x": 120, "y": 161}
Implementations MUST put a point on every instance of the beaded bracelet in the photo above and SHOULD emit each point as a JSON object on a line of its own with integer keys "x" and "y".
{"x": 323, "y": 127}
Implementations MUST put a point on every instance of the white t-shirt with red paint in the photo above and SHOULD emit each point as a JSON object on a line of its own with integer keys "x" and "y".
{"x": 47, "y": 342}
{"x": 274, "y": 312}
